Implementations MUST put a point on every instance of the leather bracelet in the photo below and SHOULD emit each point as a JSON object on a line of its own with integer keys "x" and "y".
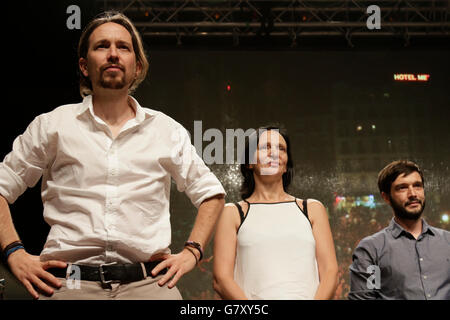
{"x": 195, "y": 256}
{"x": 195, "y": 245}
{"x": 10, "y": 248}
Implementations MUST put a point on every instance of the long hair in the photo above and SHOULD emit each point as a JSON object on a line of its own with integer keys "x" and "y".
{"x": 83, "y": 46}
{"x": 251, "y": 143}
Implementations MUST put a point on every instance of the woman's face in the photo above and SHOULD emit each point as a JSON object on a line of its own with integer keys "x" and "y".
{"x": 271, "y": 154}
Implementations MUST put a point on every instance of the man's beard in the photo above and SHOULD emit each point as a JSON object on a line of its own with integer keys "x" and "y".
{"x": 403, "y": 213}
{"x": 112, "y": 82}
{"x": 113, "y": 79}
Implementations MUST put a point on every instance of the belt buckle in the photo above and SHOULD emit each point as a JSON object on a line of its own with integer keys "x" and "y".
{"x": 102, "y": 272}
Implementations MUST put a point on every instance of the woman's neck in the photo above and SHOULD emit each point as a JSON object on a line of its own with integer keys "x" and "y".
{"x": 269, "y": 192}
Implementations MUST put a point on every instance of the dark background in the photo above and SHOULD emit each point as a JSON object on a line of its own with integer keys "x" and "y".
{"x": 321, "y": 91}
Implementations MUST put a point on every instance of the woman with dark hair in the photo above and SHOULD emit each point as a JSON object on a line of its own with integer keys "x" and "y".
{"x": 272, "y": 245}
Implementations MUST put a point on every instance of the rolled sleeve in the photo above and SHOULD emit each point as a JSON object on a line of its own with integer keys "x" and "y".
{"x": 191, "y": 174}
{"x": 11, "y": 185}
{"x": 204, "y": 188}
{"x": 24, "y": 165}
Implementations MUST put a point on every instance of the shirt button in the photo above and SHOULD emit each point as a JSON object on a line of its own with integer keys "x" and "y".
{"x": 424, "y": 277}
{"x": 428, "y": 295}
{"x": 421, "y": 259}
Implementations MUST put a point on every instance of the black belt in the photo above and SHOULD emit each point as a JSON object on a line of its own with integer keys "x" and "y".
{"x": 107, "y": 273}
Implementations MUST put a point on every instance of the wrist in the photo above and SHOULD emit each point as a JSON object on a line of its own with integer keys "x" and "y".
{"x": 11, "y": 248}
{"x": 195, "y": 245}
{"x": 193, "y": 253}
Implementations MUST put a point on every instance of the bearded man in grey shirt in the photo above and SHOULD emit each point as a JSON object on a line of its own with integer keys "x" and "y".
{"x": 409, "y": 259}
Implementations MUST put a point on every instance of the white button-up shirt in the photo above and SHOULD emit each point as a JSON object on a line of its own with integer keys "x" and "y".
{"x": 105, "y": 199}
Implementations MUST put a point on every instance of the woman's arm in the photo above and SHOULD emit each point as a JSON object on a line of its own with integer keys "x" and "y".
{"x": 325, "y": 253}
{"x": 225, "y": 242}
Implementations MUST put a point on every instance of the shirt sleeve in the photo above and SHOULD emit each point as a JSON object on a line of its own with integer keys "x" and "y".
{"x": 363, "y": 268}
{"x": 190, "y": 173}
{"x": 24, "y": 165}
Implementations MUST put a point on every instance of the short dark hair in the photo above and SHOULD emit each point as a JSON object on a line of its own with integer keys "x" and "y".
{"x": 248, "y": 184}
{"x": 389, "y": 173}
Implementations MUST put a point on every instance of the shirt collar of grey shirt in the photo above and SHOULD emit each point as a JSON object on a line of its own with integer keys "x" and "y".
{"x": 398, "y": 230}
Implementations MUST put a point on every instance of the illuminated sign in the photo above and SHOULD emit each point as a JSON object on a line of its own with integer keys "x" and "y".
{"x": 349, "y": 202}
{"x": 411, "y": 77}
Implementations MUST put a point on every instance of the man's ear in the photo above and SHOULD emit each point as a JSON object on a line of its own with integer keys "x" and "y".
{"x": 386, "y": 197}
{"x": 82, "y": 63}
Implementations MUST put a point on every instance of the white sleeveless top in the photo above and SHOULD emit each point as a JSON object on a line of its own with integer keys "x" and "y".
{"x": 276, "y": 253}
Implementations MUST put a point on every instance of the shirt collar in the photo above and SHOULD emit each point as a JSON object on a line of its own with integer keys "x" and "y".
{"x": 141, "y": 113}
{"x": 426, "y": 228}
{"x": 397, "y": 229}
{"x": 85, "y": 105}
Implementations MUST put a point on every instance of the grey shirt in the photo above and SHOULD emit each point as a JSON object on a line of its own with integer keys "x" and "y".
{"x": 406, "y": 268}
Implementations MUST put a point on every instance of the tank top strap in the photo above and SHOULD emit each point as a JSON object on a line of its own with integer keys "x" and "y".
{"x": 241, "y": 212}
{"x": 305, "y": 209}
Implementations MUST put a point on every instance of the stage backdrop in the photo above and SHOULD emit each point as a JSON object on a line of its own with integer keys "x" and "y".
{"x": 345, "y": 110}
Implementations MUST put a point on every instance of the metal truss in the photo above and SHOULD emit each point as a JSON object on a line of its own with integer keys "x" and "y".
{"x": 293, "y": 19}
